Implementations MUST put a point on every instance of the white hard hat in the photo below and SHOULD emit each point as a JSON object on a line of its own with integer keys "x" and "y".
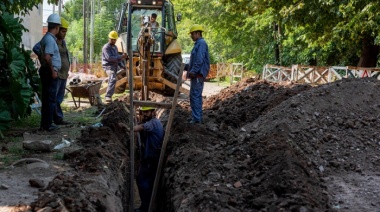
{"x": 54, "y": 19}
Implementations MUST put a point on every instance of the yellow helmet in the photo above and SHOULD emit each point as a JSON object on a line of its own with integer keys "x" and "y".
{"x": 196, "y": 27}
{"x": 113, "y": 35}
{"x": 147, "y": 108}
{"x": 64, "y": 23}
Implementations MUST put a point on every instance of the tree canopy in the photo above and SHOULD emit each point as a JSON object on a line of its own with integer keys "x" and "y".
{"x": 319, "y": 32}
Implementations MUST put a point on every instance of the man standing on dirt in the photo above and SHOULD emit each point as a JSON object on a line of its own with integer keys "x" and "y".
{"x": 152, "y": 137}
{"x": 50, "y": 65}
{"x": 63, "y": 74}
{"x": 111, "y": 60}
{"x": 198, "y": 70}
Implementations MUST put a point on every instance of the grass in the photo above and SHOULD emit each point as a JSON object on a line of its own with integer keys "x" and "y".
{"x": 15, "y": 152}
{"x": 58, "y": 156}
{"x": 13, "y": 138}
{"x": 30, "y": 121}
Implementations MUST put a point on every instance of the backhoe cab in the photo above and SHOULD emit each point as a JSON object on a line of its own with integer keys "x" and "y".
{"x": 156, "y": 51}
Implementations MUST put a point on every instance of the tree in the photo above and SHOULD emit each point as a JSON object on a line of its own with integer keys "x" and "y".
{"x": 104, "y": 22}
{"x": 328, "y": 31}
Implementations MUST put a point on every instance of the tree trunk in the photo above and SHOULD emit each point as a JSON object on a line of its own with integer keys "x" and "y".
{"x": 368, "y": 58}
{"x": 276, "y": 46}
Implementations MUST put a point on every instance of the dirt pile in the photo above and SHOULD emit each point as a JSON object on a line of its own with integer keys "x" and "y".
{"x": 99, "y": 180}
{"x": 262, "y": 147}
{"x": 266, "y": 147}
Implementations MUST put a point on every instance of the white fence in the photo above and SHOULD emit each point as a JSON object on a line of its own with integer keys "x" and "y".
{"x": 316, "y": 74}
{"x": 232, "y": 70}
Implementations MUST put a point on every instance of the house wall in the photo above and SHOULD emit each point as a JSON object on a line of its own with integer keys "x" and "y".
{"x": 33, "y": 22}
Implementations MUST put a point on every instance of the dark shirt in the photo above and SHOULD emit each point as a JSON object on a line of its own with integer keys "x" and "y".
{"x": 154, "y": 136}
{"x": 200, "y": 59}
{"x": 110, "y": 57}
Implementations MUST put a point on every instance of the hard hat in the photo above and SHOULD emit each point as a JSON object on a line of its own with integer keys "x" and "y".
{"x": 147, "y": 108}
{"x": 64, "y": 23}
{"x": 196, "y": 27}
{"x": 113, "y": 35}
{"x": 54, "y": 19}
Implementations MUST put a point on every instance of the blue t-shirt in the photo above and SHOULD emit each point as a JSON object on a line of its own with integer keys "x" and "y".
{"x": 154, "y": 136}
{"x": 49, "y": 46}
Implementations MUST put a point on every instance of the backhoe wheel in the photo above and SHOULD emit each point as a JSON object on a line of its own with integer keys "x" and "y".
{"x": 173, "y": 65}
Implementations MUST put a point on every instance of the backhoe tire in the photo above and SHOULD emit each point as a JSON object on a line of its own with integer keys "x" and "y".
{"x": 173, "y": 65}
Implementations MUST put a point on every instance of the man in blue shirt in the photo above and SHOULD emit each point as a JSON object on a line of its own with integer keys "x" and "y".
{"x": 152, "y": 137}
{"x": 198, "y": 70}
{"x": 50, "y": 66}
{"x": 110, "y": 62}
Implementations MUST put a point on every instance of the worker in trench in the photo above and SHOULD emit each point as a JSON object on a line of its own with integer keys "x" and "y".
{"x": 152, "y": 135}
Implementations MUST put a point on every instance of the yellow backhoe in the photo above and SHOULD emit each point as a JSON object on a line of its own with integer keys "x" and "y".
{"x": 155, "y": 50}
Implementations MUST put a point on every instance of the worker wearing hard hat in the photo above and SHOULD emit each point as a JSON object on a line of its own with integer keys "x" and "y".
{"x": 152, "y": 137}
{"x": 50, "y": 66}
{"x": 111, "y": 60}
{"x": 63, "y": 74}
{"x": 197, "y": 71}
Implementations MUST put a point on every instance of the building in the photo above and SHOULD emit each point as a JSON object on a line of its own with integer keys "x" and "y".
{"x": 33, "y": 22}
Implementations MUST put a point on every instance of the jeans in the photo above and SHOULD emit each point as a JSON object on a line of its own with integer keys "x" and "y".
{"x": 61, "y": 86}
{"x": 49, "y": 97}
{"x": 196, "y": 101}
{"x": 145, "y": 181}
{"x": 111, "y": 83}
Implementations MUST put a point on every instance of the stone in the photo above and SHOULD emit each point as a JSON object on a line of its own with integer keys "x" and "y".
{"x": 238, "y": 184}
{"x": 37, "y": 183}
{"x": 37, "y": 165}
{"x": 41, "y": 145}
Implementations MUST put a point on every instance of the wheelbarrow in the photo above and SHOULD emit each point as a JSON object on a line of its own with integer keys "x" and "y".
{"x": 88, "y": 90}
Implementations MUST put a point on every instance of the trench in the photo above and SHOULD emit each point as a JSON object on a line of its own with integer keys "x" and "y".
{"x": 100, "y": 178}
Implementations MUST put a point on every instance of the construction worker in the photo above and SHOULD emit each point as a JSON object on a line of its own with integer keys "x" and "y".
{"x": 50, "y": 66}
{"x": 197, "y": 71}
{"x": 111, "y": 60}
{"x": 63, "y": 74}
{"x": 152, "y": 135}
{"x": 153, "y": 22}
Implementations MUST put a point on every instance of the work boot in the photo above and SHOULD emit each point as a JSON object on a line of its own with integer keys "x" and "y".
{"x": 62, "y": 123}
{"x": 195, "y": 122}
{"x": 53, "y": 127}
{"x": 108, "y": 99}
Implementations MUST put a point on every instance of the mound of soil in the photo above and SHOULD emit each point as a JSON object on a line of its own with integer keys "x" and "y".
{"x": 263, "y": 147}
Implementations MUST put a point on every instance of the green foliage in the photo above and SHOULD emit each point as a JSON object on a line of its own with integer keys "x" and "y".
{"x": 104, "y": 22}
{"x": 321, "y": 32}
{"x": 18, "y": 76}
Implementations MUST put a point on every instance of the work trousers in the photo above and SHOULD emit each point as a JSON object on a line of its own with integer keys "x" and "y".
{"x": 111, "y": 83}
{"x": 61, "y": 87}
{"x": 49, "y": 97}
{"x": 145, "y": 181}
{"x": 196, "y": 89}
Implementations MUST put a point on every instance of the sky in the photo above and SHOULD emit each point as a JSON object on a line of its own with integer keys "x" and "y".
{"x": 48, "y": 9}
